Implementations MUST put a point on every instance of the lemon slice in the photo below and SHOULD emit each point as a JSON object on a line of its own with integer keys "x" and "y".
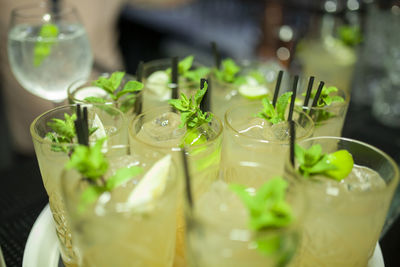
{"x": 157, "y": 83}
{"x": 144, "y": 196}
{"x": 100, "y": 132}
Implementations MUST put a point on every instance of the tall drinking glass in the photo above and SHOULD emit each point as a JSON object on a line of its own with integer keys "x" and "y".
{"x": 131, "y": 225}
{"x": 250, "y": 140}
{"x": 345, "y": 218}
{"x": 48, "y": 49}
{"x": 52, "y": 156}
{"x": 158, "y": 130}
{"x": 218, "y": 233}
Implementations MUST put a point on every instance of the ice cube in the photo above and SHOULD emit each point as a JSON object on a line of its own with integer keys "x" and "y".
{"x": 363, "y": 179}
{"x": 165, "y": 127}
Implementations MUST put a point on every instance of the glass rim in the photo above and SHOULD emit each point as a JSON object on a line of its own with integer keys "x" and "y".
{"x": 263, "y": 141}
{"x": 173, "y": 148}
{"x": 24, "y": 10}
{"x": 371, "y": 147}
{"x": 72, "y": 89}
{"x": 38, "y": 138}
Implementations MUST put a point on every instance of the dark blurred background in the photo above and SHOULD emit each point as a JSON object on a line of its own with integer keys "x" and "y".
{"x": 352, "y": 41}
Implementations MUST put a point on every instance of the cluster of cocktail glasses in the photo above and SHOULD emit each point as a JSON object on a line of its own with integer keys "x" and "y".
{"x": 169, "y": 169}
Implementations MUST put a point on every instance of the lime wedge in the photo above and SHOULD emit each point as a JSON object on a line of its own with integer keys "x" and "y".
{"x": 90, "y": 91}
{"x": 343, "y": 161}
{"x": 252, "y": 89}
{"x": 144, "y": 196}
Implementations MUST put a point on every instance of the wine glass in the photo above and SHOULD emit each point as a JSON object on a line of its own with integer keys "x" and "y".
{"x": 48, "y": 49}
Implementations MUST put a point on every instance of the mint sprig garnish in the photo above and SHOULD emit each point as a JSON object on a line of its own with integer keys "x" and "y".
{"x": 229, "y": 72}
{"x": 268, "y": 210}
{"x": 326, "y": 99}
{"x": 91, "y": 163}
{"x": 312, "y": 161}
{"x": 44, "y": 43}
{"x": 350, "y": 35}
{"x": 192, "y": 116}
{"x": 277, "y": 114}
{"x": 184, "y": 70}
{"x": 63, "y": 132}
{"x": 111, "y": 87}
{"x": 267, "y": 207}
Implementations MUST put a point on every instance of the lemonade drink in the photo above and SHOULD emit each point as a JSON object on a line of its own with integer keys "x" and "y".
{"x": 133, "y": 224}
{"x": 81, "y": 90}
{"x": 249, "y": 82}
{"x": 158, "y": 130}
{"x": 52, "y": 160}
{"x": 251, "y": 140}
{"x": 345, "y": 217}
{"x": 218, "y": 231}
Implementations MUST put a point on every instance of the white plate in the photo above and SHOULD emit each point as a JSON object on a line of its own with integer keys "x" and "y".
{"x": 41, "y": 249}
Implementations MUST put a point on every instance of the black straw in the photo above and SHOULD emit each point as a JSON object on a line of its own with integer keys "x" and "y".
{"x": 292, "y": 140}
{"x": 81, "y": 126}
{"x": 217, "y": 56}
{"x": 187, "y": 179}
{"x": 205, "y": 104}
{"x": 174, "y": 78}
{"x": 308, "y": 94}
{"x": 139, "y": 101}
{"x": 293, "y": 98}
{"x": 316, "y": 97}
{"x": 277, "y": 87}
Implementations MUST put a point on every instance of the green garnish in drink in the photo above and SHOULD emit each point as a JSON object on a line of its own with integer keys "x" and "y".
{"x": 92, "y": 164}
{"x": 192, "y": 116}
{"x": 325, "y": 99}
{"x": 275, "y": 114}
{"x": 350, "y": 35}
{"x": 111, "y": 85}
{"x": 184, "y": 67}
{"x": 228, "y": 72}
{"x": 63, "y": 132}
{"x": 45, "y": 41}
{"x": 312, "y": 161}
{"x": 268, "y": 210}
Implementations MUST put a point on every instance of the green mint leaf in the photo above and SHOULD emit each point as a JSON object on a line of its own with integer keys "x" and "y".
{"x": 130, "y": 87}
{"x": 267, "y": 207}
{"x": 65, "y": 129}
{"x": 185, "y": 64}
{"x": 281, "y": 105}
{"x": 337, "y": 98}
{"x": 122, "y": 175}
{"x": 336, "y": 165}
{"x": 191, "y": 114}
{"x": 95, "y": 100}
{"x": 196, "y": 74}
{"x": 89, "y": 161}
{"x": 110, "y": 85}
{"x": 89, "y": 196}
{"x": 228, "y": 71}
{"x": 240, "y": 80}
{"x": 43, "y": 46}
{"x": 200, "y": 94}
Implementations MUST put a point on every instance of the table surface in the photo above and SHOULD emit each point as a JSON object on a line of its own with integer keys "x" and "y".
{"x": 22, "y": 195}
